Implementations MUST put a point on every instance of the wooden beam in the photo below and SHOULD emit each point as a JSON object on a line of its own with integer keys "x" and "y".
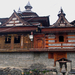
{"x": 59, "y": 46}
{"x": 50, "y": 39}
{"x": 60, "y": 42}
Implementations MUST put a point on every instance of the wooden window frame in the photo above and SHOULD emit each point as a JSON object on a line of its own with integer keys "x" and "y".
{"x": 62, "y": 34}
{"x": 17, "y": 39}
{"x": 50, "y": 55}
{"x": 7, "y": 39}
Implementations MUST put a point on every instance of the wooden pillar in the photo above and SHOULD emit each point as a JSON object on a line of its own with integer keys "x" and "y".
{"x": 44, "y": 41}
{"x": 3, "y": 41}
{"x": 21, "y": 41}
{"x": 12, "y": 41}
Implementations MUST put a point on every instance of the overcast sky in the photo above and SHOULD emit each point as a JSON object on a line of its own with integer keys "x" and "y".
{"x": 41, "y": 7}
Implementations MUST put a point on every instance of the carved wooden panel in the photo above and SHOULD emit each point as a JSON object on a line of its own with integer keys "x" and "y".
{"x": 39, "y": 43}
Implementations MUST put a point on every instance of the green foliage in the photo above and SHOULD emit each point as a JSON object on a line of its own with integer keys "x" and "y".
{"x": 27, "y": 73}
{"x": 44, "y": 71}
{"x": 35, "y": 71}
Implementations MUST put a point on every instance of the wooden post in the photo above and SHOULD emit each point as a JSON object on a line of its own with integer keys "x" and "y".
{"x": 12, "y": 41}
{"x": 21, "y": 41}
{"x": 3, "y": 41}
{"x": 44, "y": 42}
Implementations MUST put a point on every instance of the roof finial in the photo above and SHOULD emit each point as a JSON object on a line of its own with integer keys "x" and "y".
{"x": 61, "y": 10}
{"x": 19, "y": 10}
{"x": 28, "y": 7}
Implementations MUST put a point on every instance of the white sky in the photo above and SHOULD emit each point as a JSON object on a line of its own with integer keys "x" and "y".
{"x": 41, "y": 7}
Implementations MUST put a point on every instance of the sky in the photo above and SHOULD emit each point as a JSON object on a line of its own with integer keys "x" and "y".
{"x": 42, "y": 7}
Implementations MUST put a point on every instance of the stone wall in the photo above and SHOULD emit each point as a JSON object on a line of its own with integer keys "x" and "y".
{"x": 26, "y": 60}
{"x": 71, "y": 56}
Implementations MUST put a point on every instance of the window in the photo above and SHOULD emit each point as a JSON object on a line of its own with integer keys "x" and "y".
{"x": 61, "y": 38}
{"x": 17, "y": 39}
{"x": 8, "y": 39}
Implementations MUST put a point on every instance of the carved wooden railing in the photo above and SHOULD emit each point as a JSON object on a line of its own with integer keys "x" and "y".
{"x": 17, "y": 45}
{"x": 7, "y": 46}
{"x": 53, "y": 41}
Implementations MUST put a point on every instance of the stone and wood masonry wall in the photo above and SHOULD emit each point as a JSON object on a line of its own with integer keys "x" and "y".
{"x": 71, "y": 56}
{"x": 26, "y": 60}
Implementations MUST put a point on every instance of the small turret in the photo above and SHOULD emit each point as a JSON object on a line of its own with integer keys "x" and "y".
{"x": 28, "y": 7}
{"x": 19, "y": 10}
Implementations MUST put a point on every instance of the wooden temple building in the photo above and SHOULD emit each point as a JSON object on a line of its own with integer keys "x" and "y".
{"x": 27, "y": 39}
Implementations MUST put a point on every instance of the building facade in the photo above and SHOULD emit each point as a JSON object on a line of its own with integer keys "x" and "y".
{"x": 29, "y": 41}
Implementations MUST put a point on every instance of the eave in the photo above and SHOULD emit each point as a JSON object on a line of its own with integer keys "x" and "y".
{"x": 14, "y": 29}
{"x": 58, "y": 29}
{"x": 44, "y": 20}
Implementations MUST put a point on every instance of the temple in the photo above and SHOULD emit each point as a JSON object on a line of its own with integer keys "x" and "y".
{"x": 28, "y": 39}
